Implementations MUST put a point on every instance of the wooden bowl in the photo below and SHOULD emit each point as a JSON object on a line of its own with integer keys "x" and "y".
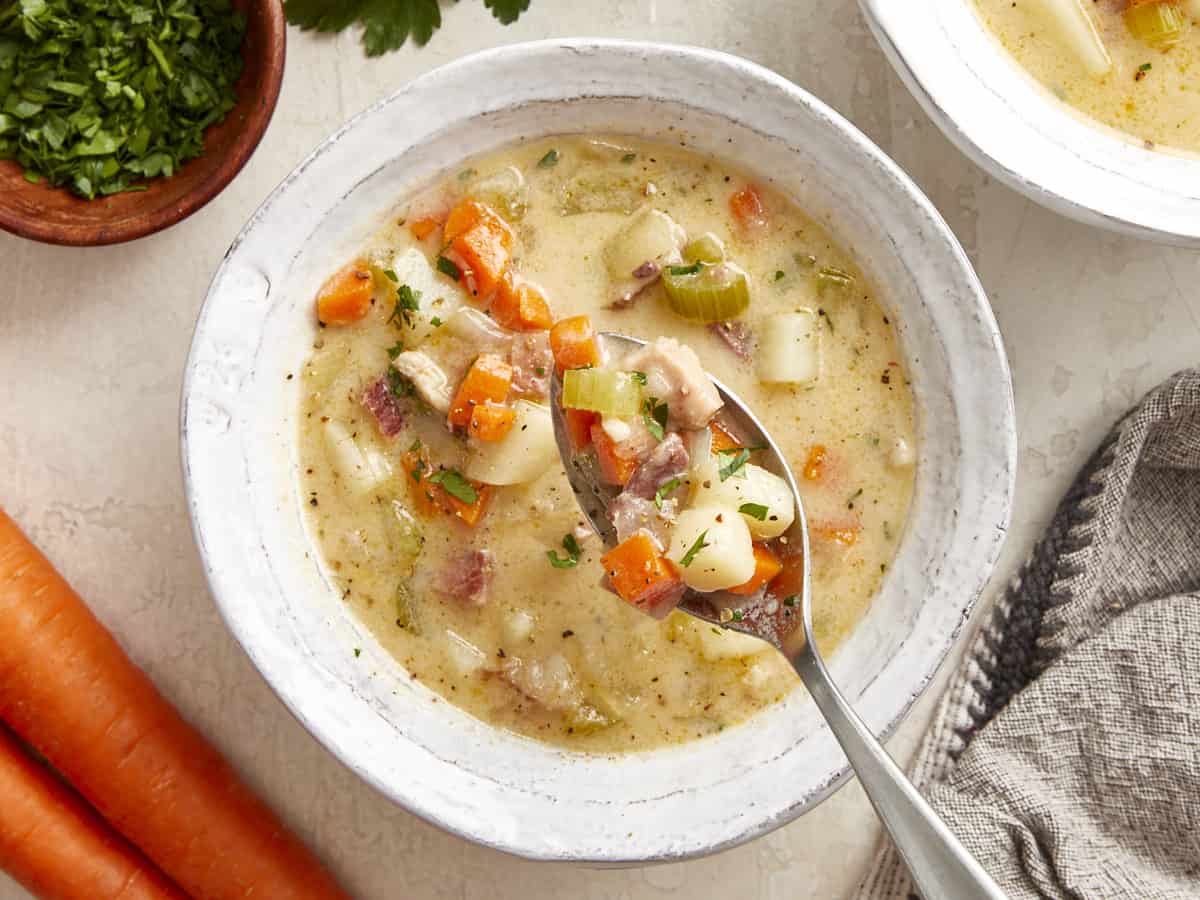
{"x": 56, "y": 216}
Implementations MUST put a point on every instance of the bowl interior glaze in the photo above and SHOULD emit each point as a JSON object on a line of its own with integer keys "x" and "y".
{"x": 238, "y": 422}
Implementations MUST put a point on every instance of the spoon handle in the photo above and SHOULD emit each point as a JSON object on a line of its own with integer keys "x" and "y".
{"x": 942, "y": 868}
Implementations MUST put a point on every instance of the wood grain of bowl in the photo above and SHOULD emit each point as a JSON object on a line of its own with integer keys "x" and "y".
{"x": 56, "y": 216}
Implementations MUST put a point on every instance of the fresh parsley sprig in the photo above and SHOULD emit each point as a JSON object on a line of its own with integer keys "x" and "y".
{"x": 571, "y": 560}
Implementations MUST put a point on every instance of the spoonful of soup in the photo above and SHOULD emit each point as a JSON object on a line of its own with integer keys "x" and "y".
{"x": 698, "y": 510}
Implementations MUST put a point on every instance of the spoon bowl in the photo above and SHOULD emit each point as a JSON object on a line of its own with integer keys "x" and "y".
{"x": 941, "y": 867}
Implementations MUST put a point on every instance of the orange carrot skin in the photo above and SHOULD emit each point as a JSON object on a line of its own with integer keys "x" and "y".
{"x": 56, "y": 846}
{"x": 71, "y": 693}
{"x": 635, "y": 566}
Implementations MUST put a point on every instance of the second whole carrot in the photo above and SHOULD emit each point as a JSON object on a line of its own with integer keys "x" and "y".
{"x": 68, "y": 689}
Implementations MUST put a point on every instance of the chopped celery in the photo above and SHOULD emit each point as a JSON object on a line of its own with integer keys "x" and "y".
{"x": 1157, "y": 24}
{"x": 617, "y": 394}
{"x": 707, "y": 248}
{"x": 406, "y": 607}
{"x": 504, "y": 191}
{"x": 707, "y": 293}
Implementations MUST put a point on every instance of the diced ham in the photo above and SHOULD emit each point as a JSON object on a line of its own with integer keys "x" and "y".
{"x": 630, "y": 514}
{"x": 666, "y": 461}
{"x": 532, "y": 363}
{"x": 385, "y": 407}
{"x": 663, "y": 597}
{"x": 551, "y": 682}
{"x": 675, "y": 376}
{"x": 737, "y": 336}
{"x": 468, "y": 576}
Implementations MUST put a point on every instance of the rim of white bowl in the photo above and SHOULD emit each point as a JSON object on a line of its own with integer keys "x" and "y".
{"x": 222, "y": 360}
{"x": 1011, "y": 126}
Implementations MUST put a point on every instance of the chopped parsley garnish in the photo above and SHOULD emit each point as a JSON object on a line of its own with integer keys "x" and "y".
{"x": 1145, "y": 67}
{"x": 398, "y": 385}
{"x": 96, "y": 97}
{"x": 455, "y": 484}
{"x": 391, "y": 275}
{"x": 436, "y": 322}
{"x": 414, "y": 446}
{"x": 655, "y": 414}
{"x": 448, "y": 267}
{"x": 738, "y": 615}
{"x": 779, "y": 274}
{"x": 395, "y": 350}
{"x": 735, "y": 466}
{"x": 754, "y": 511}
{"x": 541, "y": 370}
{"x": 685, "y": 270}
{"x": 700, "y": 544}
{"x": 639, "y": 377}
{"x": 628, "y": 157}
{"x": 664, "y": 491}
{"x": 789, "y": 601}
{"x": 418, "y": 470}
{"x": 408, "y": 302}
{"x": 357, "y": 652}
{"x": 571, "y": 560}
{"x": 467, "y": 174}
{"x": 549, "y": 160}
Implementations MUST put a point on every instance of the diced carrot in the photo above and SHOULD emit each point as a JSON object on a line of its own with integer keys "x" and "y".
{"x": 491, "y": 422}
{"x": 637, "y": 570}
{"x": 790, "y": 580}
{"x": 845, "y": 535}
{"x": 748, "y": 210}
{"x": 814, "y": 466}
{"x": 487, "y": 381}
{"x": 579, "y": 426}
{"x": 346, "y": 296}
{"x": 573, "y": 342}
{"x": 617, "y": 461}
{"x": 431, "y": 499}
{"x": 423, "y": 228}
{"x": 470, "y": 513}
{"x": 520, "y": 306}
{"x": 480, "y": 243}
{"x": 722, "y": 438}
{"x": 767, "y": 565}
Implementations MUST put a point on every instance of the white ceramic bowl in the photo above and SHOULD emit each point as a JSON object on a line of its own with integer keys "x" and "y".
{"x": 1012, "y": 126}
{"x": 239, "y": 419}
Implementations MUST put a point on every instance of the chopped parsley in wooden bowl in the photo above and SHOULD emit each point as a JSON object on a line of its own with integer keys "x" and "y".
{"x": 120, "y": 119}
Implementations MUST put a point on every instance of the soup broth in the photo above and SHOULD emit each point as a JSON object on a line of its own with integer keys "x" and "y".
{"x": 506, "y": 617}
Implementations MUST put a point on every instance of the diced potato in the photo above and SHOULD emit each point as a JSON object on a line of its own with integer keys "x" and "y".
{"x": 361, "y": 467}
{"x": 650, "y": 236}
{"x": 463, "y": 656}
{"x": 726, "y": 557}
{"x": 716, "y": 644}
{"x": 518, "y": 626}
{"x": 1077, "y": 31}
{"x": 759, "y": 487}
{"x": 790, "y": 348}
{"x": 439, "y": 297}
{"x": 430, "y": 380}
{"x": 478, "y": 331}
{"x": 523, "y": 454}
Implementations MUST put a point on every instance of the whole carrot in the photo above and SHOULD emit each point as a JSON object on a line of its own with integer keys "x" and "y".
{"x": 58, "y": 848}
{"x": 70, "y": 692}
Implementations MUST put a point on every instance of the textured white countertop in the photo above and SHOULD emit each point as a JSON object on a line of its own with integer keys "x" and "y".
{"x": 92, "y": 346}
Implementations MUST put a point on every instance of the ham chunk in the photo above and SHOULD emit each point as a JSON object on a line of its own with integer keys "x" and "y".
{"x": 532, "y": 363}
{"x": 385, "y": 407}
{"x": 666, "y": 461}
{"x": 735, "y": 335}
{"x": 468, "y": 576}
{"x": 675, "y": 376}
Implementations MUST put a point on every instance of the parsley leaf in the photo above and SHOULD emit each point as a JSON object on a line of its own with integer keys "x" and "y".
{"x": 455, "y": 484}
{"x": 655, "y": 414}
{"x": 700, "y": 544}
{"x": 741, "y": 456}
{"x": 408, "y": 302}
{"x": 754, "y": 511}
{"x": 549, "y": 160}
{"x": 571, "y": 560}
{"x": 664, "y": 490}
{"x": 398, "y": 385}
{"x": 507, "y": 11}
{"x": 448, "y": 267}
{"x": 387, "y": 24}
{"x": 395, "y": 350}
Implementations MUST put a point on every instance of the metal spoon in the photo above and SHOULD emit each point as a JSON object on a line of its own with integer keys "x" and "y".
{"x": 940, "y": 865}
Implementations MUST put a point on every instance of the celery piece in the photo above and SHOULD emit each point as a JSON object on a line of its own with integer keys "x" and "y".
{"x": 707, "y": 293}
{"x": 1157, "y": 24}
{"x": 706, "y": 248}
{"x": 617, "y": 394}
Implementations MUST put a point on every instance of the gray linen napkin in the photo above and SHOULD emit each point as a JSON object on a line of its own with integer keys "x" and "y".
{"x": 1066, "y": 751}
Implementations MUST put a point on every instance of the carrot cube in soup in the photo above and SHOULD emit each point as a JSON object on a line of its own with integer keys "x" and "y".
{"x": 346, "y": 296}
{"x": 767, "y": 565}
{"x": 491, "y": 422}
{"x": 480, "y": 243}
{"x": 789, "y": 582}
{"x": 469, "y": 513}
{"x": 423, "y": 228}
{"x": 814, "y": 466}
{"x": 722, "y": 438}
{"x": 520, "y": 306}
{"x": 487, "y": 381}
{"x": 573, "y": 342}
{"x": 579, "y": 424}
{"x": 748, "y": 210}
{"x": 618, "y": 462}
{"x": 642, "y": 576}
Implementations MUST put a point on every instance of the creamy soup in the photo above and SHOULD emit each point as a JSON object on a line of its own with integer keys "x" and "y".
{"x": 427, "y": 460}
{"x": 1134, "y": 66}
